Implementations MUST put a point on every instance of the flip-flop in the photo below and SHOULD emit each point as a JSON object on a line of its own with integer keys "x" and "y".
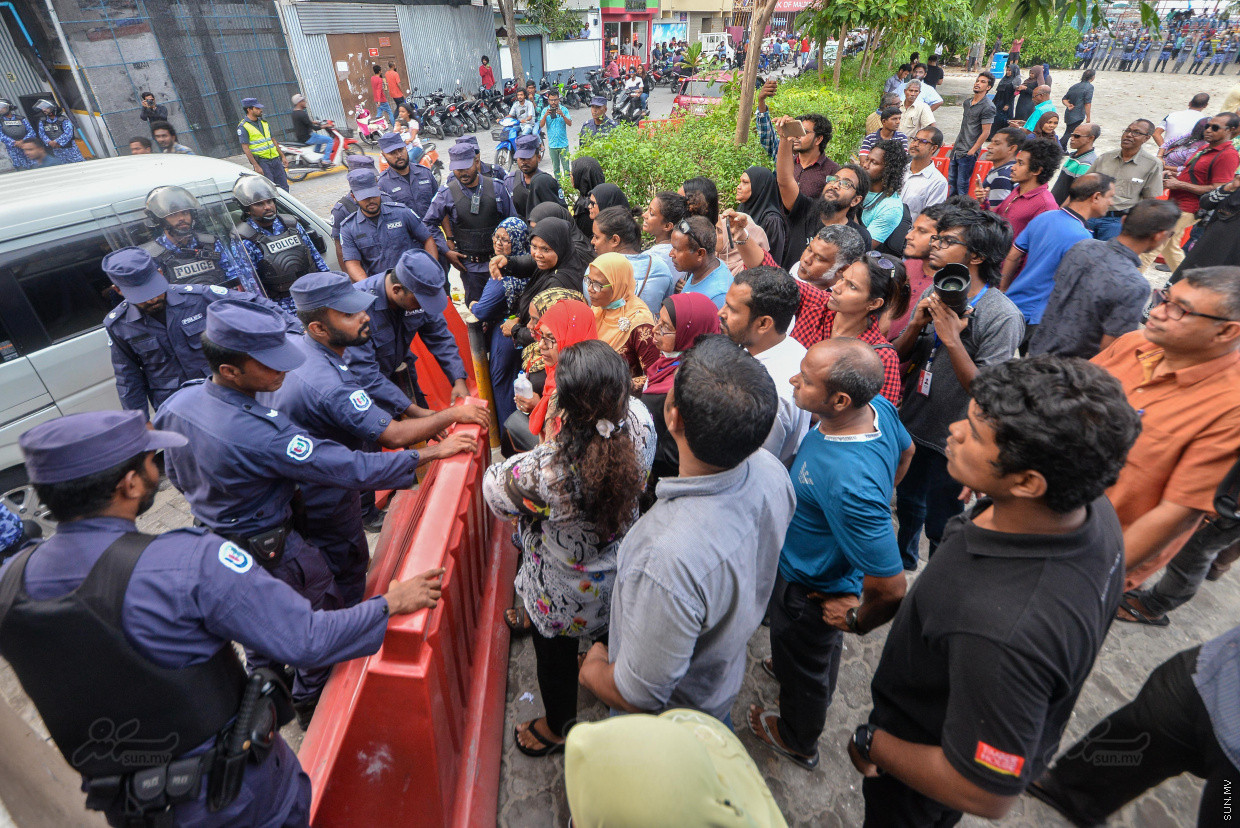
{"x": 546, "y": 747}
{"x": 1129, "y": 613}
{"x": 523, "y": 626}
{"x": 768, "y": 664}
{"x": 767, "y": 737}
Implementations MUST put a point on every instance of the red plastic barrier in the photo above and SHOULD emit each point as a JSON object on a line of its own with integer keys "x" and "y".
{"x": 980, "y": 170}
{"x": 431, "y": 378}
{"x": 412, "y": 735}
{"x": 942, "y": 163}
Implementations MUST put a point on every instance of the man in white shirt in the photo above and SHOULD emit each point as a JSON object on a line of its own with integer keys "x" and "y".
{"x": 523, "y": 111}
{"x": 917, "y": 115}
{"x": 928, "y": 95}
{"x": 1178, "y": 124}
{"x": 756, "y": 315}
{"x": 924, "y": 185}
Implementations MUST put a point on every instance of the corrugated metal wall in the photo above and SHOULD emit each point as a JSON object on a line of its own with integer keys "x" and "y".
{"x": 339, "y": 18}
{"x": 25, "y": 81}
{"x": 444, "y": 43}
{"x": 313, "y": 63}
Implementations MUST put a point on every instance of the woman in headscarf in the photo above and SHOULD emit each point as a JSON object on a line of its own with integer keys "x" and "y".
{"x": 1024, "y": 103}
{"x": 1005, "y": 95}
{"x": 499, "y": 302}
{"x": 563, "y": 325}
{"x": 587, "y": 174}
{"x": 682, "y": 319}
{"x": 757, "y": 195}
{"x": 622, "y": 319}
{"x": 553, "y": 262}
{"x": 607, "y": 195}
{"x": 1046, "y": 126}
{"x": 550, "y": 209}
{"x": 517, "y": 435}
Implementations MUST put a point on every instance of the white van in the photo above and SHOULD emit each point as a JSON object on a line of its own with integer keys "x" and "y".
{"x": 710, "y": 45}
{"x": 56, "y": 225}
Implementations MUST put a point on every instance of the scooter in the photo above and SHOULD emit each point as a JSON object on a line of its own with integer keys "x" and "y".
{"x": 506, "y": 134}
{"x": 430, "y": 160}
{"x": 432, "y": 124}
{"x": 369, "y": 128}
{"x": 303, "y": 159}
{"x": 629, "y": 110}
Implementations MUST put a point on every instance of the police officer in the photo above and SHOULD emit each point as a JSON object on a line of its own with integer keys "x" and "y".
{"x": 498, "y": 173}
{"x": 278, "y": 245}
{"x": 184, "y": 253}
{"x": 533, "y": 186}
{"x": 14, "y": 128}
{"x": 373, "y": 239}
{"x": 259, "y": 146}
{"x": 244, "y": 460}
{"x": 56, "y": 131}
{"x": 469, "y": 207}
{"x": 409, "y": 301}
{"x": 411, "y": 184}
{"x": 154, "y": 333}
{"x": 326, "y": 398}
{"x": 108, "y": 629}
{"x": 347, "y": 205}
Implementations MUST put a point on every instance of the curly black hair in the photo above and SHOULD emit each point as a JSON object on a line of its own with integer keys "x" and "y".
{"x": 1062, "y": 417}
{"x": 895, "y": 161}
{"x": 822, "y": 129}
{"x": 1044, "y": 156}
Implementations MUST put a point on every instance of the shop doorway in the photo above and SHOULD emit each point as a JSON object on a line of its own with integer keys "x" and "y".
{"x": 354, "y": 54}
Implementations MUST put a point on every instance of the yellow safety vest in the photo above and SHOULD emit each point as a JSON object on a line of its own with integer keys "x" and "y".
{"x": 260, "y": 141}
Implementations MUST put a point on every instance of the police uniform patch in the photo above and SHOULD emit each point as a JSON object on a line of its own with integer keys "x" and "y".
{"x": 235, "y": 558}
{"x": 299, "y": 448}
{"x": 220, "y": 291}
{"x": 360, "y": 400}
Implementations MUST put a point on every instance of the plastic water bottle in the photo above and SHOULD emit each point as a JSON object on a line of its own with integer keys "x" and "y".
{"x": 523, "y": 387}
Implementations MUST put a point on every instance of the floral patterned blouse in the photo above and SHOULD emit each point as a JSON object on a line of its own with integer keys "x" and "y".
{"x": 567, "y": 571}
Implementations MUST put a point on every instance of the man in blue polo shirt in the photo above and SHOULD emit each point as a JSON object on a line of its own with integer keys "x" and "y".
{"x": 840, "y": 544}
{"x": 1045, "y": 241}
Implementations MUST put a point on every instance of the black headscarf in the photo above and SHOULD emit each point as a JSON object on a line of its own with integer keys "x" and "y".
{"x": 569, "y": 270}
{"x": 587, "y": 174}
{"x": 766, "y": 208}
{"x": 609, "y": 195}
{"x": 581, "y": 241}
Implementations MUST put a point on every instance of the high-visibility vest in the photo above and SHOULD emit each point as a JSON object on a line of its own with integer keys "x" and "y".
{"x": 260, "y": 140}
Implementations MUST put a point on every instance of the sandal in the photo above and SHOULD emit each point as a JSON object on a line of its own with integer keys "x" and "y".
{"x": 1131, "y": 611}
{"x": 766, "y": 732}
{"x": 546, "y": 747}
{"x": 518, "y": 620}
{"x": 768, "y": 664}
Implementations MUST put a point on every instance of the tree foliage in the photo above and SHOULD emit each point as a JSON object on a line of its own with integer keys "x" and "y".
{"x": 1056, "y": 46}
{"x": 552, "y": 16}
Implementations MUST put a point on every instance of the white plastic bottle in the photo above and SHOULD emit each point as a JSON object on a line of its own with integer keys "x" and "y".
{"x": 523, "y": 387}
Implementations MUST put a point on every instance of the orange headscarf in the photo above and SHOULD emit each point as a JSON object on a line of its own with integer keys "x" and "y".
{"x": 570, "y": 322}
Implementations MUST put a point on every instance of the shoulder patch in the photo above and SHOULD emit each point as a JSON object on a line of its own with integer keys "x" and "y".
{"x": 360, "y": 400}
{"x": 300, "y": 447}
{"x": 219, "y": 291}
{"x": 187, "y": 289}
{"x": 235, "y": 558}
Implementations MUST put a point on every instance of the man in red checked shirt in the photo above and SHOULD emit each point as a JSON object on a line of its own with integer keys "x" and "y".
{"x": 986, "y": 657}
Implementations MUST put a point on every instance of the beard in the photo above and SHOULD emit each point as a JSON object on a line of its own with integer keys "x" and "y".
{"x": 337, "y": 338}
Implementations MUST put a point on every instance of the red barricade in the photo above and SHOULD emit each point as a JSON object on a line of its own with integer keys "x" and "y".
{"x": 942, "y": 164}
{"x": 980, "y": 170}
{"x": 412, "y": 735}
{"x": 431, "y": 378}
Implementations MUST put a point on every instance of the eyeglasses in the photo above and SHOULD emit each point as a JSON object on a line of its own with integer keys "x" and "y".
{"x": 595, "y": 287}
{"x": 835, "y": 179}
{"x": 1138, "y": 132}
{"x": 916, "y": 140}
{"x": 665, "y": 330}
{"x": 1215, "y": 126}
{"x": 539, "y": 336}
{"x": 881, "y": 260}
{"x": 1176, "y": 311}
{"x": 1074, "y": 135}
{"x": 946, "y": 241}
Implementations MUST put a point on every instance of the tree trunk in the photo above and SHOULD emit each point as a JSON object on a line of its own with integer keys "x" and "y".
{"x": 822, "y": 67}
{"x": 506, "y": 8}
{"x": 839, "y": 54}
{"x": 761, "y": 17}
{"x": 868, "y": 53}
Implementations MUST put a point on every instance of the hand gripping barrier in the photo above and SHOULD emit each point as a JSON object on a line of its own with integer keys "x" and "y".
{"x": 411, "y": 736}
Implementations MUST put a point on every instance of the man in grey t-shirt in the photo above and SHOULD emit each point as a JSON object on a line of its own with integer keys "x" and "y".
{"x": 1078, "y": 104}
{"x": 696, "y": 571}
{"x": 975, "y": 126}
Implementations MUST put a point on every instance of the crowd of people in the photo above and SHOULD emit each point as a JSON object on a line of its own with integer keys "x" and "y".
{"x": 1130, "y": 48}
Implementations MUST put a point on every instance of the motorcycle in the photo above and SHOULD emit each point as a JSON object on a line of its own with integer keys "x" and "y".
{"x": 452, "y": 123}
{"x": 464, "y": 110}
{"x": 629, "y": 109}
{"x": 506, "y": 134}
{"x": 432, "y": 124}
{"x": 303, "y": 159}
{"x": 369, "y": 128}
{"x": 430, "y": 160}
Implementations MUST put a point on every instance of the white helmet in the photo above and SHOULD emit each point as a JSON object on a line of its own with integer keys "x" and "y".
{"x": 46, "y": 105}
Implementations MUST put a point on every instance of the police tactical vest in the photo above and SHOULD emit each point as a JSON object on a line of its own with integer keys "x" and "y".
{"x": 473, "y": 231}
{"x": 15, "y": 127}
{"x": 109, "y": 709}
{"x": 53, "y": 129}
{"x": 190, "y": 267}
{"x": 285, "y": 257}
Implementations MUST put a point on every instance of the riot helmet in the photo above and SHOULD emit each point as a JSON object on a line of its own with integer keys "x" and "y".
{"x": 5, "y": 106}
{"x": 165, "y": 201}
{"x": 45, "y": 106}
{"x": 251, "y": 189}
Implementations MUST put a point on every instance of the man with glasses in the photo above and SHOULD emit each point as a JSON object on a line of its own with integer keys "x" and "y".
{"x": 924, "y": 185}
{"x": 1210, "y": 167}
{"x": 1137, "y": 174}
{"x": 1081, "y": 156}
{"x": 1182, "y": 373}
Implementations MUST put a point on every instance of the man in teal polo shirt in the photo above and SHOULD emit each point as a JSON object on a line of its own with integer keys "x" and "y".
{"x": 555, "y": 119}
{"x": 1043, "y": 104}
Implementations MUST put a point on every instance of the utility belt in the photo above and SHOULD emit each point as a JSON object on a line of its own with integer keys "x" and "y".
{"x": 267, "y": 547}
{"x": 470, "y": 259}
{"x": 145, "y": 798}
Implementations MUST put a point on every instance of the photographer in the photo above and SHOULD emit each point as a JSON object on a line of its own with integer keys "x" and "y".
{"x": 152, "y": 112}
{"x": 555, "y": 119}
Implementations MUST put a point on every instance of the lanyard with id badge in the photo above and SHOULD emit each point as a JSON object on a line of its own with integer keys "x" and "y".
{"x": 952, "y": 288}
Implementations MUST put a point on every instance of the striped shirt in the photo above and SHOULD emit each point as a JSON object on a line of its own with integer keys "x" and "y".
{"x": 1218, "y": 681}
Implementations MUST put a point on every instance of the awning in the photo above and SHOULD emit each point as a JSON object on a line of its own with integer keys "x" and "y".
{"x": 529, "y": 30}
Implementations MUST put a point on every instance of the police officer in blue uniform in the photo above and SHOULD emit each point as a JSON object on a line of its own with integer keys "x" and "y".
{"x": 154, "y": 333}
{"x": 498, "y": 173}
{"x": 347, "y": 205}
{"x": 411, "y": 184}
{"x": 281, "y": 249}
{"x": 56, "y": 131}
{"x": 244, "y": 460}
{"x": 532, "y": 186}
{"x": 409, "y": 302}
{"x": 13, "y": 128}
{"x": 326, "y": 398}
{"x": 186, "y": 254}
{"x": 373, "y": 239}
{"x": 109, "y": 629}
{"x": 469, "y": 206}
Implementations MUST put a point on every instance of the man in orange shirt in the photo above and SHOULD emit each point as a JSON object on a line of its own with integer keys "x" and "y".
{"x": 395, "y": 90}
{"x": 1182, "y": 375}
{"x": 378, "y": 89}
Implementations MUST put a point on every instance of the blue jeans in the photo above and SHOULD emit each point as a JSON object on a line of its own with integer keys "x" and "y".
{"x": 322, "y": 143}
{"x": 929, "y": 497}
{"x": 273, "y": 168}
{"x": 959, "y": 171}
{"x": 1105, "y": 228}
{"x": 386, "y": 107}
{"x": 528, "y": 128}
{"x": 645, "y": 98}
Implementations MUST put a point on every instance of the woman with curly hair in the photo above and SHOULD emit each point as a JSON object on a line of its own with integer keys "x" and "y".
{"x": 883, "y": 211}
{"x": 573, "y": 499}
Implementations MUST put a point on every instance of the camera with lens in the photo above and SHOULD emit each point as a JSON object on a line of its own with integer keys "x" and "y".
{"x": 951, "y": 284}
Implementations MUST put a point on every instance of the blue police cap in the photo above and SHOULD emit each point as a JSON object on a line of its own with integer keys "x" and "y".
{"x": 329, "y": 290}
{"x": 246, "y": 103}
{"x": 462, "y": 157}
{"x": 83, "y": 444}
{"x": 391, "y": 141}
{"x": 472, "y": 140}
{"x": 364, "y": 183}
{"x": 528, "y": 146}
{"x": 422, "y": 276}
{"x": 134, "y": 271}
{"x": 598, "y": 100}
{"x": 357, "y": 161}
{"x": 254, "y": 330}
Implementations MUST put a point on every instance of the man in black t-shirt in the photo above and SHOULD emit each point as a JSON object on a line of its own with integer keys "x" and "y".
{"x": 305, "y": 128}
{"x": 934, "y": 72}
{"x": 989, "y": 651}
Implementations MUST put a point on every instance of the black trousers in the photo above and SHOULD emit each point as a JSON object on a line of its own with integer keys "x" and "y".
{"x": 556, "y": 660}
{"x": 889, "y": 803}
{"x": 1163, "y": 732}
{"x": 806, "y": 655}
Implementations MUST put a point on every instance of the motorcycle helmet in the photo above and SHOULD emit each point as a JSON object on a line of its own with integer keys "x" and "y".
{"x": 162, "y": 202}
{"x": 45, "y": 106}
{"x": 251, "y": 189}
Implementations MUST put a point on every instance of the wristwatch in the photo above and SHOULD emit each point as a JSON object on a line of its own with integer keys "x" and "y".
{"x": 863, "y": 740}
{"x": 850, "y": 621}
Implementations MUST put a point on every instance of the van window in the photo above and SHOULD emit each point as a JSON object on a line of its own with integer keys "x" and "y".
{"x": 8, "y": 350}
{"x": 64, "y": 282}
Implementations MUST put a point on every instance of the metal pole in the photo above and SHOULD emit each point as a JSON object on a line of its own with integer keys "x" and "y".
{"x": 109, "y": 144}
